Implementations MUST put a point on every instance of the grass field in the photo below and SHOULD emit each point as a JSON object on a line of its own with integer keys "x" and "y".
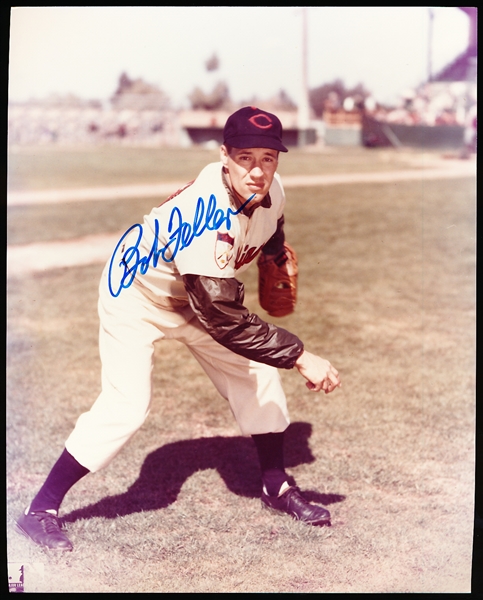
{"x": 387, "y": 294}
{"x": 41, "y": 168}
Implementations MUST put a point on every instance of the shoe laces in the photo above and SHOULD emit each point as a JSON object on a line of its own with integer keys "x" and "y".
{"x": 295, "y": 496}
{"x": 293, "y": 492}
{"x": 50, "y": 523}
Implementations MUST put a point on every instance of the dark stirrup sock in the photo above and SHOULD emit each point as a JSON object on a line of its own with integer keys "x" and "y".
{"x": 273, "y": 480}
{"x": 64, "y": 474}
{"x": 270, "y": 454}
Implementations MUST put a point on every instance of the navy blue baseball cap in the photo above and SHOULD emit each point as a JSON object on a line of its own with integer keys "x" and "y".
{"x": 251, "y": 127}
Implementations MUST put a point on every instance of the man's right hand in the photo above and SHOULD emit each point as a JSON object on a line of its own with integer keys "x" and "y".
{"x": 320, "y": 374}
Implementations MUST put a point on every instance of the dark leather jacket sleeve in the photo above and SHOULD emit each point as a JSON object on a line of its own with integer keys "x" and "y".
{"x": 218, "y": 304}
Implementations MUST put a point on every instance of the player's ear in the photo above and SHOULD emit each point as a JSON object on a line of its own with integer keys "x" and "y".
{"x": 224, "y": 154}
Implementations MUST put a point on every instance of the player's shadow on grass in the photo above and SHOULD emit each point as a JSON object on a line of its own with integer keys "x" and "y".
{"x": 166, "y": 469}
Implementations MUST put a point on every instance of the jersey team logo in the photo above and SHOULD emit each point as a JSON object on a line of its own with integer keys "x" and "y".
{"x": 246, "y": 255}
{"x": 261, "y": 121}
{"x": 223, "y": 249}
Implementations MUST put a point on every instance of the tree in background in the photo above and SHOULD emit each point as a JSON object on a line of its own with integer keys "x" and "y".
{"x": 279, "y": 102}
{"x": 213, "y": 63}
{"x": 136, "y": 94}
{"x": 331, "y": 96}
{"x": 217, "y": 99}
{"x": 282, "y": 101}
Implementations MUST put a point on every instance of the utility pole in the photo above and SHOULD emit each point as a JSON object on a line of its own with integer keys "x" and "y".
{"x": 430, "y": 45}
{"x": 304, "y": 110}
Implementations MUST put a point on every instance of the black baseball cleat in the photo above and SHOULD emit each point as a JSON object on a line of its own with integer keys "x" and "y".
{"x": 294, "y": 504}
{"x": 44, "y": 529}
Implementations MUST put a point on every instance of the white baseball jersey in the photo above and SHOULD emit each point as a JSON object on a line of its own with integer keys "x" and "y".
{"x": 198, "y": 231}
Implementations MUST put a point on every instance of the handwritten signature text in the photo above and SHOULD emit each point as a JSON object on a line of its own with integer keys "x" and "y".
{"x": 126, "y": 263}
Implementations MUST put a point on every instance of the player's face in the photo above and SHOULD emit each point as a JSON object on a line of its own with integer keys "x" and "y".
{"x": 250, "y": 170}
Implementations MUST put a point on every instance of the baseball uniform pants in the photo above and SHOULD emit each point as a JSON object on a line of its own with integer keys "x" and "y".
{"x": 129, "y": 326}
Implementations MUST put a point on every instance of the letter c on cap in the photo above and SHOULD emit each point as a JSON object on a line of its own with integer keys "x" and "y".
{"x": 260, "y": 125}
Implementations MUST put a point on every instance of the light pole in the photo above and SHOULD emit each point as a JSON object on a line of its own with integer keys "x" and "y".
{"x": 430, "y": 45}
{"x": 303, "y": 109}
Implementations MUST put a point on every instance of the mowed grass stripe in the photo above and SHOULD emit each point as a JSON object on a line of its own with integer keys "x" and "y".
{"x": 456, "y": 169}
{"x": 45, "y": 168}
{"x": 37, "y": 230}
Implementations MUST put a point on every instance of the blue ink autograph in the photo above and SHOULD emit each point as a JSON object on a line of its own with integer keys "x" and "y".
{"x": 182, "y": 235}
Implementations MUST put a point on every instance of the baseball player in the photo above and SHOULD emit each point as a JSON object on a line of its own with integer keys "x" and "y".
{"x": 174, "y": 277}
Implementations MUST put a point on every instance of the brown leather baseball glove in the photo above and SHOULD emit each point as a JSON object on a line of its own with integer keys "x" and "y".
{"x": 277, "y": 282}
